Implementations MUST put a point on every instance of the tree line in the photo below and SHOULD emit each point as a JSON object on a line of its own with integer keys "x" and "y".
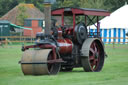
{"x": 110, "y": 5}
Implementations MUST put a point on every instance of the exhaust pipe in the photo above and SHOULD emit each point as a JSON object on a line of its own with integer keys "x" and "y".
{"x": 47, "y": 12}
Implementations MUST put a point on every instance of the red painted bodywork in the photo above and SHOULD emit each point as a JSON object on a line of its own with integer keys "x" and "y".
{"x": 78, "y": 11}
{"x": 65, "y": 46}
{"x": 59, "y": 33}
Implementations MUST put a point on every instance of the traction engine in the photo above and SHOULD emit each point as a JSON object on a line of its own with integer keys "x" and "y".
{"x": 62, "y": 48}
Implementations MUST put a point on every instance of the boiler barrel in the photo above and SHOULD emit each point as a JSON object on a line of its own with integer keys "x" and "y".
{"x": 65, "y": 45}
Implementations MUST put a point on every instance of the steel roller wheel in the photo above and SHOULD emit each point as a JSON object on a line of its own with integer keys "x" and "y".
{"x": 93, "y": 55}
{"x": 35, "y": 62}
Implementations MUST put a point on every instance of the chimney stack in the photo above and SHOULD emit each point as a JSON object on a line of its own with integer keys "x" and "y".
{"x": 47, "y": 12}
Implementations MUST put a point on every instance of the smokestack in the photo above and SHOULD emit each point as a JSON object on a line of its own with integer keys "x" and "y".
{"x": 47, "y": 12}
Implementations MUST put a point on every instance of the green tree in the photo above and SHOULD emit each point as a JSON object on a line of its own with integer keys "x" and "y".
{"x": 65, "y": 3}
{"x": 6, "y": 5}
{"x": 114, "y": 4}
{"x": 22, "y": 14}
{"x": 97, "y": 4}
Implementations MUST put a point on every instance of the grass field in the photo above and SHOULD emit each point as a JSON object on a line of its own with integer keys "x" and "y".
{"x": 115, "y": 71}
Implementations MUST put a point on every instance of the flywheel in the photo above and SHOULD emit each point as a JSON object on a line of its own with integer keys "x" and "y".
{"x": 35, "y": 62}
{"x": 80, "y": 33}
{"x": 92, "y": 58}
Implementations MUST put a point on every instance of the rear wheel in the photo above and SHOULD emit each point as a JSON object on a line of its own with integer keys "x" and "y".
{"x": 93, "y": 55}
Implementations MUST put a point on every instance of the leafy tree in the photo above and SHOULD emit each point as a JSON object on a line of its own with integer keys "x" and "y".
{"x": 22, "y": 14}
{"x": 65, "y": 3}
{"x": 114, "y": 4}
{"x": 6, "y": 5}
{"x": 97, "y": 4}
{"x": 37, "y": 3}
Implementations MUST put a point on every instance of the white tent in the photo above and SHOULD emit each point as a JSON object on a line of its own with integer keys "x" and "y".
{"x": 117, "y": 19}
{"x": 113, "y": 28}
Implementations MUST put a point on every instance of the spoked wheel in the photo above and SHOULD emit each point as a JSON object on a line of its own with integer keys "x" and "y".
{"x": 93, "y": 55}
{"x": 35, "y": 62}
{"x": 53, "y": 68}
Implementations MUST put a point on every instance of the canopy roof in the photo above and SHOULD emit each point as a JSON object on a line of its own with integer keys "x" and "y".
{"x": 79, "y": 11}
{"x": 16, "y": 26}
{"x": 117, "y": 19}
{"x": 12, "y": 26}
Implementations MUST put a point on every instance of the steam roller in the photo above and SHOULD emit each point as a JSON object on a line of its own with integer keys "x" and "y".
{"x": 38, "y": 62}
{"x": 64, "y": 47}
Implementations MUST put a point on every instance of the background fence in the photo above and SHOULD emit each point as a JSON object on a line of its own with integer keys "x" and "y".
{"x": 26, "y": 39}
{"x": 16, "y": 39}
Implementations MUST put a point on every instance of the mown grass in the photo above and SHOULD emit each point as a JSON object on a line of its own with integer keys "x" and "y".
{"x": 115, "y": 71}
